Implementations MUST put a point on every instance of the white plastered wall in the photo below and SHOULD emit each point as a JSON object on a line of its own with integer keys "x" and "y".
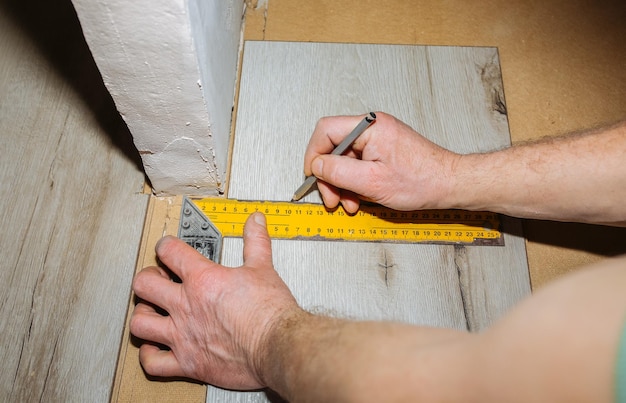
{"x": 170, "y": 66}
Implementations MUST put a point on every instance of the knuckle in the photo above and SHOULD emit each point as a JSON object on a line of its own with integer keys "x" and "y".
{"x": 321, "y": 122}
{"x": 320, "y": 126}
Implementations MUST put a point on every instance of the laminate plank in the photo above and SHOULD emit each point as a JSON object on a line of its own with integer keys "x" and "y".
{"x": 452, "y": 95}
{"x": 72, "y": 213}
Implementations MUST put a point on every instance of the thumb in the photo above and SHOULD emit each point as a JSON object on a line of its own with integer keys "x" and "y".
{"x": 257, "y": 247}
{"x": 345, "y": 173}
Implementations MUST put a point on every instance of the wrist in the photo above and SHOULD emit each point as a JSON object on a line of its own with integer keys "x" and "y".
{"x": 469, "y": 183}
{"x": 272, "y": 356}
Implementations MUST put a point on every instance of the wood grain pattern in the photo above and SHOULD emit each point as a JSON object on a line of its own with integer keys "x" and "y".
{"x": 452, "y": 95}
{"x": 563, "y": 67}
{"x": 71, "y": 211}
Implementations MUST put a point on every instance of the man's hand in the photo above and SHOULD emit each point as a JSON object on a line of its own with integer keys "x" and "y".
{"x": 218, "y": 319}
{"x": 389, "y": 163}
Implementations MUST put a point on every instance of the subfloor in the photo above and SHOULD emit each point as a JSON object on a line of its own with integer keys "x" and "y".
{"x": 73, "y": 209}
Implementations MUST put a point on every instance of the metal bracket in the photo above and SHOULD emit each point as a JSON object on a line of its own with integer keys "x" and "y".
{"x": 198, "y": 231}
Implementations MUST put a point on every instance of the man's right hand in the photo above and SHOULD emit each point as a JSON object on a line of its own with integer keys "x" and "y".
{"x": 389, "y": 163}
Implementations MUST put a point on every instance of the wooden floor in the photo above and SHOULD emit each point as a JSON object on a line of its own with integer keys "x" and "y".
{"x": 72, "y": 211}
{"x": 447, "y": 93}
{"x": 72, "y": 207}
{"x": 453, "y": 95}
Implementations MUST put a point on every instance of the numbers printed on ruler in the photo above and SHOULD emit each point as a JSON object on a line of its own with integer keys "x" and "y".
{"x": 371, "y": 223}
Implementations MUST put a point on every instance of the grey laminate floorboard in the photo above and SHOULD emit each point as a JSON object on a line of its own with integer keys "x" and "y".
{"x": 71, "y": 210}
{"x": 452, "y": 95}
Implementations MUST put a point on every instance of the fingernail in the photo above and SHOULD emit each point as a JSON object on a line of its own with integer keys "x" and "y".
{"x": 317, "y": 166}
{"x": 259, "y": 218}
{"x": 160, "y": 241}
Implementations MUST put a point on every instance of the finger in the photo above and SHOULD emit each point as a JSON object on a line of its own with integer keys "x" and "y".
{"x": 158, "y": 362}
{"x": 350, "y": 201}
{"x": 157, "y": 270}
{"x": 147, "y": 324}
{"x": 351, "y": 174}
{"x": 153, "y": 285}
{"x": 180, "y": 257}
{"x": 328, "y": 133}
{"x": 257, "y": 247}
{"x": 330, "y": 194}
{"x": 162, "y": 272}
{"x": 143, "y": 308}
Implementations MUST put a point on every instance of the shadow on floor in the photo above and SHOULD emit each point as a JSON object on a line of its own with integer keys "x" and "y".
{"x": 54, "y": 28}
{"x": 596, "y": 239}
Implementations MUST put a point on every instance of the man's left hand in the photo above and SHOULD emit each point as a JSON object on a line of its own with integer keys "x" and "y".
{"x": 217, "y": 319}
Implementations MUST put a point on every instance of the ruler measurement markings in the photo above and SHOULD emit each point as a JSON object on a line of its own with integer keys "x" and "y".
{"x": 371, "y": 223}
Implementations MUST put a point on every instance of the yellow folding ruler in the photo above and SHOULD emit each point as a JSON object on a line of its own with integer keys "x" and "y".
{"x": 288, "y": 220}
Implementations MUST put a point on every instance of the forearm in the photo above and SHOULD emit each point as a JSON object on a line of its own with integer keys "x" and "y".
{"x": 580, "y": 177}
{"x": 557, "y": 346}
{"x": 318, "y": 359}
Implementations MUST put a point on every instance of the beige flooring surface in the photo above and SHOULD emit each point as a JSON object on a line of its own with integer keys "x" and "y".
{"x": 72, "y": 211}
{"x": 564, "y": 68}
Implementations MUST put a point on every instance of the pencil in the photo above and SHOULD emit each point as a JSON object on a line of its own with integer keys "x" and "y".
{"x": 340, "y": 149}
